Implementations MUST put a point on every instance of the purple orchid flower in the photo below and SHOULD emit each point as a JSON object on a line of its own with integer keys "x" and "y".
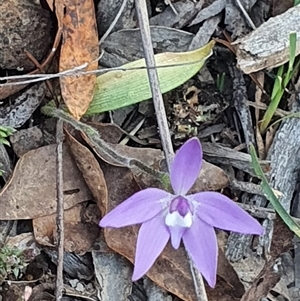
{"x": 191, "y": 218}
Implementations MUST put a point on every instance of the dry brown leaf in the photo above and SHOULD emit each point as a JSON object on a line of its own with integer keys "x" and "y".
{"x": 110, "y": 132}
{"x": 80, "y": 46}
{"x": 211, "y": 177}
{"x": 229, "y": 275}
{"x": 264, "y": 282}
{"x": 80, "y": 228}
{"x": 51, "y": 3}
{"x": 31, "y": 192}
{"x": 282, "y": 240}
{"x": 90, "y": 169}
{"x": 279, "y": 6}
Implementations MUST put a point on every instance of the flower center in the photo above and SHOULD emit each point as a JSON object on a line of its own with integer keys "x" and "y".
{"x": 179, "y": 214}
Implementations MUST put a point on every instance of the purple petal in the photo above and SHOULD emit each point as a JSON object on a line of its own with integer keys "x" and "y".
{"x": 200, "y": 242}
{"x": 139, "y": 208}
{"x": 221, "y": 212}
{"x": 186, "y": 166}
{"x": 176, "y": 235}
{"x": 152, "y": 239}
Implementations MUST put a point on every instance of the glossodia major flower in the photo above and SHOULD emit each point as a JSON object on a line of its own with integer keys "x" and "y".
{"x": 190, "y": 218}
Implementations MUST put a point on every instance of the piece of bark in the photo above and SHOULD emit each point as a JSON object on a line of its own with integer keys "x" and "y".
{"x": 75, "y": 266}
{"x": 218, "y": 154}
{"x": 240, "y": 100}
{"x": 25, "y": 140}
{"x": 16, "y": 114}
{"x": 154, "y": 292}
{"x": 113, "y": 273}
{"x": 268, "y": 45}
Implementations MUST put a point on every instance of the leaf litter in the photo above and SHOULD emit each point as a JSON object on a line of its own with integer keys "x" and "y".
{"x": 94, "y": 184}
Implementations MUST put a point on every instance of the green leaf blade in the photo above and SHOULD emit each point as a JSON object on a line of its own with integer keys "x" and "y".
{"x": 270, "y": 195}
{"x": 118, "y": 89}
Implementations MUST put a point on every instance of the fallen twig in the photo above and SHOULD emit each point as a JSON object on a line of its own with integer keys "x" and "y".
{"x": 141, "y": 9}
{"x": 60, "y": 211}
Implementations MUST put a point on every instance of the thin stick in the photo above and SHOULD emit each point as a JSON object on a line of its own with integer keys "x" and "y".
{"x": 168, "y": 2}
{"x": 250, "y": 22}
{"x": 60, "y": 210}
{"x": 142, "y": 13}
{"x": 33, "y": 78}
{"x": 114, "y": 22}
{"x": 198, "y": 282}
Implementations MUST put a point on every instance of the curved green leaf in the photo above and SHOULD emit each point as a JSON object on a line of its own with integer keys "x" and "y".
{"x": 270, "y": 195}
{"x": 116, "y": 89}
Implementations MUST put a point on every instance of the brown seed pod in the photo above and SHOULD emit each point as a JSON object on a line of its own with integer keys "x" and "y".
{"x": 23, "y": 25}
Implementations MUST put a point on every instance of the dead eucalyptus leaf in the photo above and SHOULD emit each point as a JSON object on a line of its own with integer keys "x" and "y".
{"x": 79, "y": 46}
{"x": 90, "y": 169}
{"x": 80, "y": 228}
{"x": 109, "y": 132}
{"x": 31, "y": 192}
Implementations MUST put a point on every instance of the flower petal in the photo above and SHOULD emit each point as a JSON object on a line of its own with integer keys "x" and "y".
{"x": 176, "y": 235}
{"x": 186, "y": 166}
{"x": 221, "y": 212}
{"x": 139, "y": 208}
{"x": 200, "y": 242}
{"x": 152, "y": 239}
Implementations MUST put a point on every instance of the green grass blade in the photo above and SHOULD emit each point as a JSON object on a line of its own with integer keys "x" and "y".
{"x": 278, "y": 82}
{"x": 293, "y": 49}
{"x": 271, "y": 110}
{"x": 269, "y": 194}
{"x": 281, "y": 83}
{"x": 292, "y": 115}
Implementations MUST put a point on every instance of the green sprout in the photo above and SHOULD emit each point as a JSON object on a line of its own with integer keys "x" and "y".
{"x": 296, "y": 2}
{"x": 12, "y": 261}
{"x": 281, "y": 82}
{"x": 5, "y": 131}
{"x": 220, "y": 82}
